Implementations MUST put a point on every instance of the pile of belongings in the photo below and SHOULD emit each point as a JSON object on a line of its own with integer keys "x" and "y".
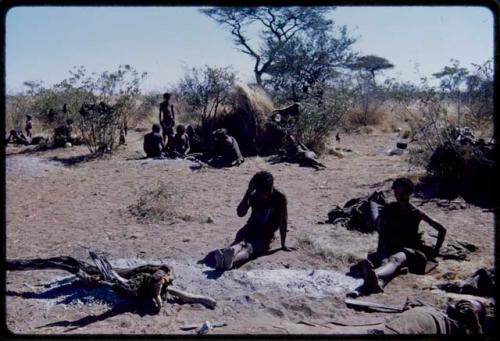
{"x": 480, "y": 283}
{"x": 360, "y": 213}
{"x": 465, "y": 165}
{"x": 457, "y": 249}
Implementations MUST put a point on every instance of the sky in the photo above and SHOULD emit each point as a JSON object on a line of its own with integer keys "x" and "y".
{"x": 44, "y": 43}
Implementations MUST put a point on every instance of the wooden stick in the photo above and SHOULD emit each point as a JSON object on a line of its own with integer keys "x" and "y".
{"x": 186, "y": 297}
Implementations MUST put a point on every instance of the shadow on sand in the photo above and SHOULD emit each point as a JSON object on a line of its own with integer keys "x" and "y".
{"x": 71, "y": 291}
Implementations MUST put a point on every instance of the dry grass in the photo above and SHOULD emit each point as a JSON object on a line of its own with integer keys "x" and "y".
{"x": 161, "y": 204}
{"x": 357, "y": 118}
{"x": 336, "y": 245}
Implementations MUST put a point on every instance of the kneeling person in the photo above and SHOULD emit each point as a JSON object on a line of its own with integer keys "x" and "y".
{"x": 153, "y": 142}
{"x": 269, "y": 214}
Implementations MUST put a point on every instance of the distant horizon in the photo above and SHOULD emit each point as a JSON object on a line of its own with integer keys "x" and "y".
{"x": 102, "y": 38}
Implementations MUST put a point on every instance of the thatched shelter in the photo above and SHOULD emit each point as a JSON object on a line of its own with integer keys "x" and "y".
{"x": 246, "y": 118}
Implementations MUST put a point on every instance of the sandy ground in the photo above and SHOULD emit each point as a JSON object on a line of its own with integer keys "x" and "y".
{"x": 59, "y": 205}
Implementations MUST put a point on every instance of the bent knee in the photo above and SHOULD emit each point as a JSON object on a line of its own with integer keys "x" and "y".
{"x": 398, "y": 258}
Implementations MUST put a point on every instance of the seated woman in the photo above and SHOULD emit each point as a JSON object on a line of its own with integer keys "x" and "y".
{"x": 226, "y": 150}
{"x": 399, "y": 243}
{"x": 269, "y": 214}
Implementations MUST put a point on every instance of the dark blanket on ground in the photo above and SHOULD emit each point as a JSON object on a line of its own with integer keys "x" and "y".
{"x": 457, "y": 249}
{"x": 480, "y": 283}
{"x": 360, "y": 213}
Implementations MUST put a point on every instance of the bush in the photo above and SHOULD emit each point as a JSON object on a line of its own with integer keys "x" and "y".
{"x": 17, "y": 106}
{"x": 108, "y": 101}
{"x": 319, "y": 115}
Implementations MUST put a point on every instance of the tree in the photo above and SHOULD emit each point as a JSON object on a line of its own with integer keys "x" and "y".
{"x": 371, "y": 64}
{"x": 370, "y": 96}
{"x": 278, "y": 26}
{"x": 478, "y": 95}
{"x": 206, "y": 89}
{"x": 308, "y": 61}
{"x": 452, "y": 79}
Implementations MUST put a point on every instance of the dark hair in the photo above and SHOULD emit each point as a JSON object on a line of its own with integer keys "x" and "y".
{"x": 219, "y": 132}
{"x": 404, "y": 183}
{"x": 263, "y": 181}
{"x": 69, "y": 121}
{"x": 156, "y": 128}
{"x": 167, "y": 95}
{"x": 467, "y": 316}
{"x": 181, "y": 129}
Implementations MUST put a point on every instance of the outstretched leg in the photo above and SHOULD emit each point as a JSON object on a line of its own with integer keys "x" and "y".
{"x": 237, "y": 254}
{"x": 376, "y": 279}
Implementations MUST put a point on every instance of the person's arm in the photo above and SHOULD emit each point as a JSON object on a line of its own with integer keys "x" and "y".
{"x": 283, "y": 224}
{"x": 173, "y": 115}
{"x": 381, "y": 223}
{"x": 245, "y": 202}
{"x": 163, "y": 146}
{"x": 439, "y": 227}
{"x": 188, "y": 146}
{"x": 159, "y": 115}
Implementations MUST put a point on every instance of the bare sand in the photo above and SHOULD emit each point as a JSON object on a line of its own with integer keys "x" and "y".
{"x": 57, "y": 205}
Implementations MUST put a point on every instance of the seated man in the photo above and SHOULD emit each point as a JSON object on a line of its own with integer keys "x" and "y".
{"x": 297, "y": 152}
{"x": 180, "y": 145}
{"x": 466, "y": 317}
{"x": 153, "y": 142}
{"x": 269, "y": 213}
{"x": 399, "y": 243}
{"x": 226, "y": 150}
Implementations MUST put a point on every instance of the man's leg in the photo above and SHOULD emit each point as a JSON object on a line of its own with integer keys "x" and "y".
{"x": 376, "y": 279}
{"x": 236, "y": 254}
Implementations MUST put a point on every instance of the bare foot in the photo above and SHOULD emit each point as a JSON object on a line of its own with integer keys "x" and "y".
{"x": 219, "y": 260}
{"x": 228, "y": 254}
{"x": 353, "y": 294}
{"x": 371, "y": 283}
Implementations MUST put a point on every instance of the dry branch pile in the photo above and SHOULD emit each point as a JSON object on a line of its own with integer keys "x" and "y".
{"x": 143, "y": 282}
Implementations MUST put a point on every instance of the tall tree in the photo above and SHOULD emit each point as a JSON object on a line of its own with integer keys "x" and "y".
{"x": 371, "y": 64}
{"x": 310, "y": 61}
{"x": 277, "y": 27}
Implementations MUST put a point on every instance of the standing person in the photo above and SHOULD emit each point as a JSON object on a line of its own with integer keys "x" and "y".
{"x": 29, "y": 125}
{"x": 167, "y": 117}
{"x": 269, "y": 214}
{"x": 153, "y": 142}
{"x": 399, "y": 243}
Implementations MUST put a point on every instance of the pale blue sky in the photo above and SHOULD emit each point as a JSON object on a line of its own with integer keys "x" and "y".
{"x": 43, "y": 43}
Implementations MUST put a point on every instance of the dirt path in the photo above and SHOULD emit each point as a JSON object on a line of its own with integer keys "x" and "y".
{"x": 66, "y": 207}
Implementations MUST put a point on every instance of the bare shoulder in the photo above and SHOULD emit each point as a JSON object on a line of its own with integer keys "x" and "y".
{"x": 279, "y": 195}
{"x": 418, "y": 211}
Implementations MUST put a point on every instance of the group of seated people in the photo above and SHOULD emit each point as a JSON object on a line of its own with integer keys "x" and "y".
{"x": 225, "y": 149}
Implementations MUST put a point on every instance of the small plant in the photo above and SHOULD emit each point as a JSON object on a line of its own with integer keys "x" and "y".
{"x": 155, "y": 205}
